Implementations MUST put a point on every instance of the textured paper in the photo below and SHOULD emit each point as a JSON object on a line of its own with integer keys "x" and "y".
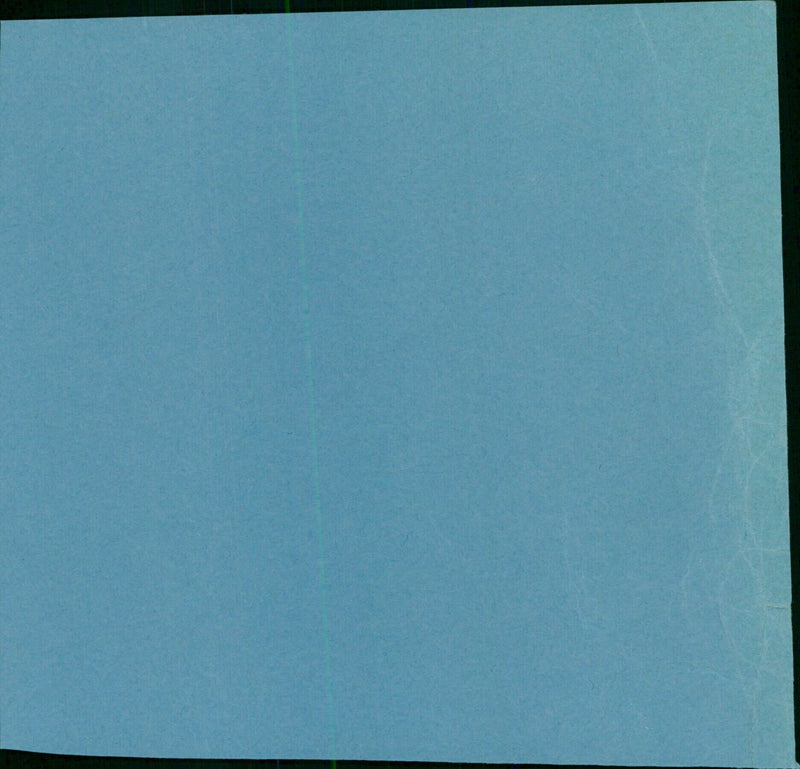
{"x": 401, "y": 386}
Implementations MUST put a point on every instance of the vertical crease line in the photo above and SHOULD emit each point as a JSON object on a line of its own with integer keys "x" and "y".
{"x": 312, "y": 400}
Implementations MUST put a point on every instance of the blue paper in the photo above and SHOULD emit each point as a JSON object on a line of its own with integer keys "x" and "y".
{"x": 396, "y": 386}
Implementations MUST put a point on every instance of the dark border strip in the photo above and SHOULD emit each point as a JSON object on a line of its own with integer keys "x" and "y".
{"x": 18, "y": 759}
{"x": 85, "y": 9}
{"x": 788, "y": 21}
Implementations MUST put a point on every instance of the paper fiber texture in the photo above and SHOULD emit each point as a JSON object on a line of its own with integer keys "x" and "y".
{"x": 402, "y": 386}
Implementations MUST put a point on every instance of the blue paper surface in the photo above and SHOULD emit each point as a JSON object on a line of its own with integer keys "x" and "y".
{"x": 400, "y": 386}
